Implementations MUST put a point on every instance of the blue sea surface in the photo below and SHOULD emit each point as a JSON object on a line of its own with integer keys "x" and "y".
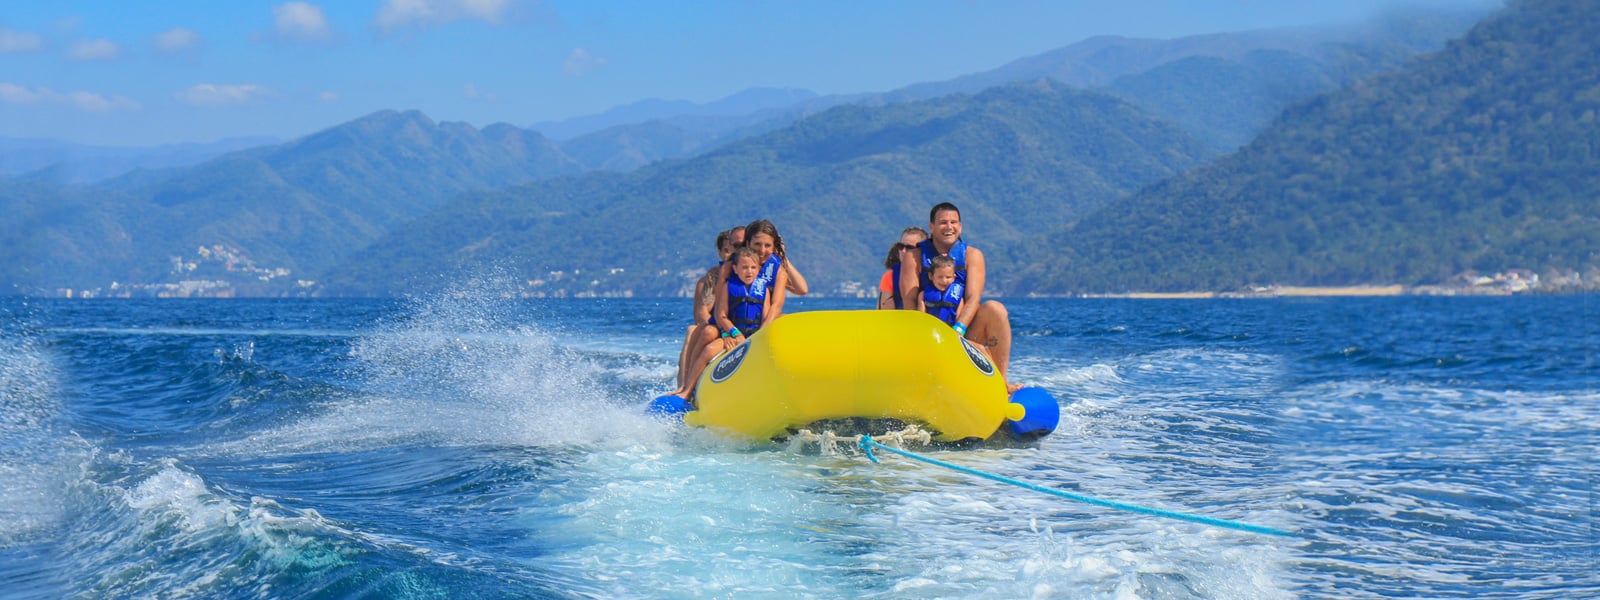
{"x": 477, "y": 447}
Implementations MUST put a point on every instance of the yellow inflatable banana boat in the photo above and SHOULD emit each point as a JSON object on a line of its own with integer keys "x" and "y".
{"x": 873, "y": 364}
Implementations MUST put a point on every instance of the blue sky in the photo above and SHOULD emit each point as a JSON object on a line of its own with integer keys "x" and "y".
{"x": 144, "y": 73}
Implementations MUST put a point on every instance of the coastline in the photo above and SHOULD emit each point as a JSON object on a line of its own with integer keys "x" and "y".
{"x": 1339, "y": 291}
{"x": 1514, "y": 283}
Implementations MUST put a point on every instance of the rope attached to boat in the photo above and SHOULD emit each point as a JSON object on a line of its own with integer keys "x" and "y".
{"x": 867, "y": 444}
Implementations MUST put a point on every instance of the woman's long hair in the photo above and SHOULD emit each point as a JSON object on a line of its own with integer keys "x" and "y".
{"x": 765, "y": 226}
{"x": 894, "y": 250}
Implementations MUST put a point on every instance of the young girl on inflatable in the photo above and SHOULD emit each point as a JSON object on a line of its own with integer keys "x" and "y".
{"x": 942, "y": 299}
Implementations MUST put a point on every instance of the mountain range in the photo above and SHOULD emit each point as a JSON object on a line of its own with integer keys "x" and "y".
{"x": 1253, "y": 74}
{"x": 1073, "y": 189}
{"x": 1022, "y": 159}
{"x": 1166, "y": 77}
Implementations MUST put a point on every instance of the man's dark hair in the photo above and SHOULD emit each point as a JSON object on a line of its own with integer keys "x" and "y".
{"x": 940, "y": 207}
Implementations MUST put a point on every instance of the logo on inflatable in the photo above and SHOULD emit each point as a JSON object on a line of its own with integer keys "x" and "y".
{"x": 979, "y": 360}
{"x": 729, "y": 364}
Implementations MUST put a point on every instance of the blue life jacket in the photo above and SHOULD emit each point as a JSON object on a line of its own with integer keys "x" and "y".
{"x": 747, "y": 303}
{"x": 952, "y": 295}
{"x": 958, "y": 252}
{"x": 943, "y": 304}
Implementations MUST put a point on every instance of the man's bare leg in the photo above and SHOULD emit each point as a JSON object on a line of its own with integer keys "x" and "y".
{"x": 991, "y": 328}
{"x": 693, "y": 340}
{"x": 698, "y": 365}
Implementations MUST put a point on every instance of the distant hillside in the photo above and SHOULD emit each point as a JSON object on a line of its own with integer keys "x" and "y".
{"x": 53, "y": 237}
{"x": 1484, "y": 156}
{"x": 1020, "y": 160}
{"x": 1224, "y": 88}
{"x": 1102, "y": 60}
{"x": 1254, "y": 74}
{"x": 1225, "y": 102}
{"x": 627, "y": 147}
{"x": 301, "y": 206}
{"x": 47, "y": 161}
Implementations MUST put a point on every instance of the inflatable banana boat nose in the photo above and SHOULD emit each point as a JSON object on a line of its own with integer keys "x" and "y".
{"x": 874, "y": 364}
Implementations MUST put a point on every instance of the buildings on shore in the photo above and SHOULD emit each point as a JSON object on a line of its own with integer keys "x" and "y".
{"x": 234, "y": 276}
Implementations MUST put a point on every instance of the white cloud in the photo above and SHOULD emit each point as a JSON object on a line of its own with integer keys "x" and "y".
{"x": 421, "y": 14}
{"x": 300, "y": 21}
{"x": 12, "y": 93}
{"x": 328, "y": 97}
{"x": 580, "y": 62}
{"x": 97, "y": 103}
{"x": 177, "y": 39}
{"x": 19, "y": 41}
{"x": 212, "y": 94}
{"x": 96, "y": 49}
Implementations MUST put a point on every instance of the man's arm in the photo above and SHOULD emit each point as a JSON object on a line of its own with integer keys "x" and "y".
{"x": 910, "y": 289}
{"x": 797, "y": 282}
{"x": 702, "y": 311}
{"x": 720, "y": 312}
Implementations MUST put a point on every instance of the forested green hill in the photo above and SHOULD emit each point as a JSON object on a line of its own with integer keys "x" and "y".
{"x": 1020, "y": 160}
{"x": 1484, "y": 156}
{"x": 301, "y": 206}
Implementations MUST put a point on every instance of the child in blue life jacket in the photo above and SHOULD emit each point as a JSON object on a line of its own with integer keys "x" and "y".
{"x": 943, "y": 298}
{"x": 747, "y": 299}
{"x": 756, "y": 303}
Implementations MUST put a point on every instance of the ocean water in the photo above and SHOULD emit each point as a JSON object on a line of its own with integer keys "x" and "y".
{"x": 471, "y": 446}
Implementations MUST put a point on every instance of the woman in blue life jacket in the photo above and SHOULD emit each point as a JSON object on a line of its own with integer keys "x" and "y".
{"x": 986, "y": 323}
{"x": 889, "y": 296}
{"x": 942, "y": 298}
{"x": 744, "y": 306}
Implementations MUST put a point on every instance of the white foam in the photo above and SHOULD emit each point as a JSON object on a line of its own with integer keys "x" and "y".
{"x": 460, "y": 371}
{"x": 687, "y": 520}
{"x": 37, "y": 455}
{"x": 184, "y": 497}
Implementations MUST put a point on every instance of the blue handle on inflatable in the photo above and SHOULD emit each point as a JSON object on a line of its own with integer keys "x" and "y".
{"x": 1042, "y": 416}
{"x": 668, "y": 406}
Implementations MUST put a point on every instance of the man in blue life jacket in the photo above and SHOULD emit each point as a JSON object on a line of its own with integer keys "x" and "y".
{"x": 984, "y": 323}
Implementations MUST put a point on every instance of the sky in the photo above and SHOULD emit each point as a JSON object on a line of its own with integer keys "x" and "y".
{"x": 131, "y": 73}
